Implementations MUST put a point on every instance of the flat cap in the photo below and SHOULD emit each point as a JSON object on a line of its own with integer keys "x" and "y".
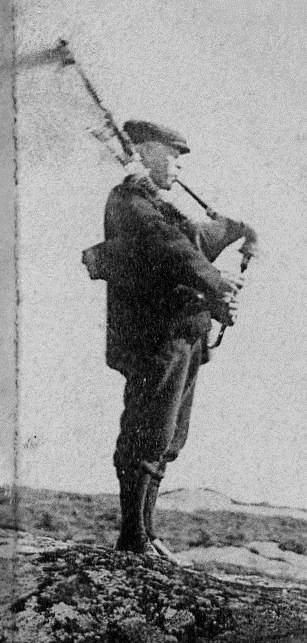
{"x": 142, "y": 131}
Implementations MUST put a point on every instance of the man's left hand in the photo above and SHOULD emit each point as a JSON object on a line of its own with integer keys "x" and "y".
{"x": 236, "y": 282}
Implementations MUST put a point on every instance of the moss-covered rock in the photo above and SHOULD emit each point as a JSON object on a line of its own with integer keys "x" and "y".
{"x": 70, "y": 592}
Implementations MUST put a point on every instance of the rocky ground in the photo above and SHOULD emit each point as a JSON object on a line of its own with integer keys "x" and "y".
{"x": 67, "y": 584}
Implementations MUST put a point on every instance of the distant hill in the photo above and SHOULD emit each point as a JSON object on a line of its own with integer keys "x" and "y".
{"x": 202, "y": 498}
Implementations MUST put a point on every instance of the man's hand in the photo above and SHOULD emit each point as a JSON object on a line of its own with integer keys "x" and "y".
{"x": 228, "y": 310}
{"x": 233, "y": 283}
{"x": 250, "y": 245}
{"x": 226, "y": 307}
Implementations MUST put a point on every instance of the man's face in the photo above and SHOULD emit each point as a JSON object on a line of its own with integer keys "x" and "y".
{"x": 163, "y": 163}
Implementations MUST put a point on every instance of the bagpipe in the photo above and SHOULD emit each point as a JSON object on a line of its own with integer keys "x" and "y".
{"x": 100, "y": 257}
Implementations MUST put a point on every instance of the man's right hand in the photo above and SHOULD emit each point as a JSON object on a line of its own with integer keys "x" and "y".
{"x": 228, "y": 310}
{"x": 232, "y": 283}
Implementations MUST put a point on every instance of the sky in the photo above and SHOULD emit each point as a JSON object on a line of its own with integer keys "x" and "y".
{"x": 230, "y": 76}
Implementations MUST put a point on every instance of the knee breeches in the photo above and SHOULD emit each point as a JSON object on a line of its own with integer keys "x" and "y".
{"x": 158, "y": 401}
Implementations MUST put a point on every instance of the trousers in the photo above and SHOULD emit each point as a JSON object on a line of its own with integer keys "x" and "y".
{"x": 158, "y": 400}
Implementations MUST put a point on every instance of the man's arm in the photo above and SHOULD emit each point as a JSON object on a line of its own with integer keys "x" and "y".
{"x": 169, "y": 250}
{"x": 215, "y": 235}
{"x": 143, "y": 247}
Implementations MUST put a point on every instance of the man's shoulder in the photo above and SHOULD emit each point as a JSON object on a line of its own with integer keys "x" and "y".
{"x": 133, "y": 191}
{"x": 116, "y": 194}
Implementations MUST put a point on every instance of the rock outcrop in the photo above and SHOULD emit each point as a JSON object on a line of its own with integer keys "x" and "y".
{"x": 71, "y": 592}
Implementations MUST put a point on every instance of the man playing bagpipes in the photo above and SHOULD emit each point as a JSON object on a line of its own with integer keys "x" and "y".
{"x": 162, "y": 293}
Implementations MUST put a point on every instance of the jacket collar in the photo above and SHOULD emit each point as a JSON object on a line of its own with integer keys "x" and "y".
{"x": 142, "y": 184}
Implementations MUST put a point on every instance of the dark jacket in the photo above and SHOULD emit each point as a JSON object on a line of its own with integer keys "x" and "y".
{"x": 158, "y": 264}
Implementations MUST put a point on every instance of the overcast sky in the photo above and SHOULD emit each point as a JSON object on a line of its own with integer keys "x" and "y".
{"x": 230, "y": 76}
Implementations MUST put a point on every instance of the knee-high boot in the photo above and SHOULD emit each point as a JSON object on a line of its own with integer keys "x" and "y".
{"x": 133, "y": 489}
{"x": 149, "y": 507}
{"x": 151, "y": 499}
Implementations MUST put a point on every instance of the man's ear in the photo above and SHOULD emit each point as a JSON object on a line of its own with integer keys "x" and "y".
{"x": 144, "y": 150}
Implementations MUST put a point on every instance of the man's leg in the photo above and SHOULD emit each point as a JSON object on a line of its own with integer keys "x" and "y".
{"x": 152, "y": 399}
{"x": 184, "y": 412}
{"x": 133, "y": 488}
{"x": 150, "y": 501}
{"x": 179, "y": 436}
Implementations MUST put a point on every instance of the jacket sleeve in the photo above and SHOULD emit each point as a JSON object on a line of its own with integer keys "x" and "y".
{"x": 168, "y": 249}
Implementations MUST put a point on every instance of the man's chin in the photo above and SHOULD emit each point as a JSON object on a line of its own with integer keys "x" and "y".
{"x": 167, "y": 185}
{"x": 170, "y": 183}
